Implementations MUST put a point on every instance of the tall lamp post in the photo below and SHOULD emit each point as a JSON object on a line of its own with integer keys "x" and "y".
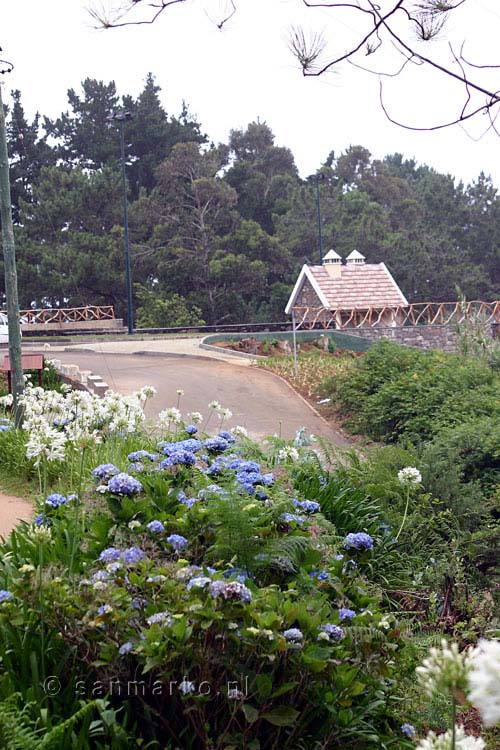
{"x": 121, "y": 116}
{"x": 318, "y": 177}
{"x": 9, "y": 257}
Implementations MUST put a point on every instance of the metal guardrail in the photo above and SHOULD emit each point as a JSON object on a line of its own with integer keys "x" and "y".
{"x": 227, "y": 328}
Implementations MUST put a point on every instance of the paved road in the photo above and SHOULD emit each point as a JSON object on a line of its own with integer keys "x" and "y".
{"x": 259, "y": 400}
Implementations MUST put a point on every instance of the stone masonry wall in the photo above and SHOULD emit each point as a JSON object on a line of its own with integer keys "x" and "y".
{"x": 422, "y": 337}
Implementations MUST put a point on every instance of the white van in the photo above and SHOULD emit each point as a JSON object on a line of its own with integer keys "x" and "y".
{"x": 4, "y": 329}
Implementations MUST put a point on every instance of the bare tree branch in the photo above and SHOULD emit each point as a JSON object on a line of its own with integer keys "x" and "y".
{"x": 396, "y": 24}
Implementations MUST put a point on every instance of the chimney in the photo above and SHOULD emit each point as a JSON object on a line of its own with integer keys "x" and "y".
{"x": 355, "y": 259}
{"x": 333, "y": 264}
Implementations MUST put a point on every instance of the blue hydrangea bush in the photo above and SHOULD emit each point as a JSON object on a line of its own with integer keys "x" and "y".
{"x": 207, "y": 599}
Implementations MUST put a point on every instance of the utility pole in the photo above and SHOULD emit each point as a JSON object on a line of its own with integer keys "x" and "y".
{"x": 9, "y": 257}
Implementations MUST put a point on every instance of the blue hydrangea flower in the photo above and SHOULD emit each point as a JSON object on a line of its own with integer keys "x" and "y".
{"x": 238, "y": 591}
{"x": 177, "y": 541}
{"x": 179, "y": 457}
{"x": 105, "y": 471}
{"x": 156, "y": 527}
{"x": 308, "y": 506}
{"x": 198, "y": 582}
{"x": 239, "y": 573}
{"x": 249, "y": 477}
{"x": 294, "y": 635}
{"x": 124, "y": 484}
{"x": 109, "y": 555}
{"x": 359, "y": 540}
{"x": 160, "y": 618}
{"x": 225, "y": 435}
{"x": 55, "y": 500}
{"x": 217, "y": 466}
{"x": 216, "y": 444}
{"x": 189, "y": 502}
{"x": 191, "y": 429}
{"x": 408, "y": 730}
{"x": 346, "y": 614}
{"x": 141, "y": 456}
{"x": 126, "y": 648}
{"x": 321, "y": 575}
{"x": 186, "y": 687}
{"x": 240, "y": 464}
{"x": 334, "y": 632}
{"x": 234, "y": 590}
{"x": 292, "y": 517}
{"x": 190, "y": 444}
{"x": 6, "y": 596}
{"x": 132, "y": 555}
{"x": 104, "y": 609}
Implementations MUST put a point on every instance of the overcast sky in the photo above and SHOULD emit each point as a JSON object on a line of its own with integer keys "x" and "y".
{"x": 246, "y": 72}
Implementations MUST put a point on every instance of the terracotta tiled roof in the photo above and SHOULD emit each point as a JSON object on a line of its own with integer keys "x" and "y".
{"x": 361, "y": 286}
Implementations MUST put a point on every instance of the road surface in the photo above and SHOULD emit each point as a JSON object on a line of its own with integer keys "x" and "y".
{"x": 259, "y": 400}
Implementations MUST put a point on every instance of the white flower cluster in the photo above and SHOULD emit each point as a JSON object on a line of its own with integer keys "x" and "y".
{"x": 410, "y": 475}
{"x": 444, "y": 670}
{"x": 445, "y": 741}
{"x": 54, "y": 420}
{"x": 288, "y": 453}
{"x": 484, "y": 680}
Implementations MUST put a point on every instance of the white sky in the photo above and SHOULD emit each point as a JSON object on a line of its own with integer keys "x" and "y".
{"x": 230, "y": 78}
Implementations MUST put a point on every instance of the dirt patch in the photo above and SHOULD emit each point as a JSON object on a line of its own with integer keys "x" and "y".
{"x": 12, "y": 510}
{"x": 280, "y": 347}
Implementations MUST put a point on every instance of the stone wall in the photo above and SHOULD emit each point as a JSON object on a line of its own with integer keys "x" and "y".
{"x": 422, "y": 337}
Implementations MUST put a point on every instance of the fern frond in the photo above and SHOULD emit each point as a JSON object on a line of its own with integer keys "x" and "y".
{"x": 18, "y": 732}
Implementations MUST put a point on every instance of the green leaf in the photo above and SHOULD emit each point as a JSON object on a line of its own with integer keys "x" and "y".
{"x": 264, "y": 686}
{"x": 282, "y": 716}
{"x": 285, "y": 688}
{"x": 251, "y": 713}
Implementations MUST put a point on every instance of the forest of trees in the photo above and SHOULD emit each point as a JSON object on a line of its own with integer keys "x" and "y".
{"x": 219, "y": 232}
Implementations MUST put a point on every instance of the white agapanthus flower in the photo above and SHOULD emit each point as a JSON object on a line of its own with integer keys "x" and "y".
{"x": 224, "y": 413}
{"x": 484, "y": 681}
{"x": 180, "y": 392}
{"x": 410, "y": 475}
{"x": 444, "y": 670}
{"x": 195, "y": 417}
{"x": 147, "y": 391}
{"x": 288, "y": 453}
{"x": 239, "y": 431}
{"x": 168, "y": 416}
{"x": 444, "y": 741}
{"x": 214, "y": 405}
{"x": 49, "y": 444}
{"x": 6, "y": 401}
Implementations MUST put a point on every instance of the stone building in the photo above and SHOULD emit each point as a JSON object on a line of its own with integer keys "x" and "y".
{"x": 338, "y": 295}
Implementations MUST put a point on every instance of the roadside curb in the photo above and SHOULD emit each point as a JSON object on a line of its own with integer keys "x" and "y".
{"x": 336, "y": 429}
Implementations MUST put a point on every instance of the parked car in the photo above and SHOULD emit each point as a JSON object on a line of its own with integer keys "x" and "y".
{"x": 4, "y": 328}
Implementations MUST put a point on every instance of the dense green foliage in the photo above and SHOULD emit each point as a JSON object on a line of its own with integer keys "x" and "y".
{"x": 219, "y": 233}
{"x": 92, "y": 670}
{"x": 444, "y": 410}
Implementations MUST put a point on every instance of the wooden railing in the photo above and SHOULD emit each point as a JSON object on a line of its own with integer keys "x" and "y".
{"x": 68, "y": 314}
{"x": 416, "y": 314}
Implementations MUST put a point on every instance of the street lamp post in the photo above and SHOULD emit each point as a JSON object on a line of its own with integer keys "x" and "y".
{"x": 317, "y": 178}
{"x": 121, "y": 116}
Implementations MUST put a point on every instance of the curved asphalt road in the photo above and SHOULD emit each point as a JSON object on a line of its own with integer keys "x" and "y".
{"x": 259, "y": 400}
